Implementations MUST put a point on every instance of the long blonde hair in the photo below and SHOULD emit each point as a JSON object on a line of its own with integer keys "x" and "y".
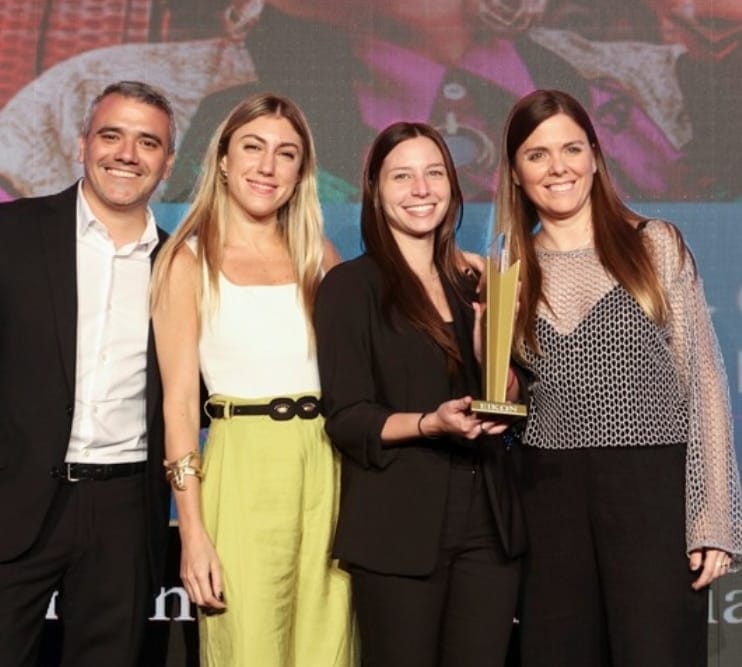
{"x": 615, "y": 226}
{"x": 299, "y": 219}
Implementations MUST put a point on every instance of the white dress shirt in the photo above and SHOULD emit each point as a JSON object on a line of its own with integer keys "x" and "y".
{"x": 109, "y": 421}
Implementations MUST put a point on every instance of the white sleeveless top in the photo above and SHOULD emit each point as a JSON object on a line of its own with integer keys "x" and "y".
{"x": 255, "y": 344}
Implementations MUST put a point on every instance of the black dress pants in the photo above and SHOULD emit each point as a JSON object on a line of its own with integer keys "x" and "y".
{"x": 606, "y": 579}
{"x": 93, "y": 548}
{"x": 459, "y": 616}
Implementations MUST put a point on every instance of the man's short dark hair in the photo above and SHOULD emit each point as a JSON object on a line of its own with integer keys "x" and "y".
{"x": 141, "y": 92}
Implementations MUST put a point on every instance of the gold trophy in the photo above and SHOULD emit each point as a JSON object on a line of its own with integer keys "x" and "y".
{"x": 497, "y": 336}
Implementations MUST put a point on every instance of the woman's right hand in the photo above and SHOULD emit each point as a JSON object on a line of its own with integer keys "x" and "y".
{"x": 201, "y": 571}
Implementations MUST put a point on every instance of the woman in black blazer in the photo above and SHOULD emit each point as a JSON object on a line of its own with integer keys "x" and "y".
{"x": 429, "y": 526}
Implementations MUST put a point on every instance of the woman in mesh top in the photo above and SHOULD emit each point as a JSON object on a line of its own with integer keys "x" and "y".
{"x": 632, "y": 493}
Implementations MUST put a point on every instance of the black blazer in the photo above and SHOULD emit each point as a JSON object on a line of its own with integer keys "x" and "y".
{"x": 38, "y": 332}
{"x": 393, "y": 497}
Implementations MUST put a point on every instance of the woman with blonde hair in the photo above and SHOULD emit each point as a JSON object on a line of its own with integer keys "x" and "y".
{"x": 631, "y": 487}
{"x": 233, "y": 295}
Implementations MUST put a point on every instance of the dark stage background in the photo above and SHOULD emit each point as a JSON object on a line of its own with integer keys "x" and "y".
{"x": 661, "y": 79}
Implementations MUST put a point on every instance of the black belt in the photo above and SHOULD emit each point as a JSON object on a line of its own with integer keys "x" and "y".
{"x": 99, "y": 472}
{"x": 280, "y": 409}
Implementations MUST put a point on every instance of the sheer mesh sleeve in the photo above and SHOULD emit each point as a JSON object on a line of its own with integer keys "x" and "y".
{"x": 713, "y": 501}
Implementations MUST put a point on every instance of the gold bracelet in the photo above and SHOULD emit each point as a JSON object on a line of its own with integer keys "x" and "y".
{"x": 188, "y": 464}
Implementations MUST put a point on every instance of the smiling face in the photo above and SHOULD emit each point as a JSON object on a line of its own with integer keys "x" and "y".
{"x": 125, "y": 155}
{"x": 262, "y": 167}
{"x": 414, "y": 188}
{"x": 555, "y": 167}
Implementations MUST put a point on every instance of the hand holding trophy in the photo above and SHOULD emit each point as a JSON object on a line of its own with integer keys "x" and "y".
{"x": 501, "y": 296}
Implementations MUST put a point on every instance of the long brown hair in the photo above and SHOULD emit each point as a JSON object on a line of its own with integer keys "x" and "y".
{"x": 403, "y": 290}
{"x": 300, "y": 218}
{"x": 615, "y": 226}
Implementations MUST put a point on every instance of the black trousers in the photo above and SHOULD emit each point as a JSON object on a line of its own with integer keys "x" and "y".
{"x": 606, "y": 578}
{"x": 459, "y": 616}
{"x": 93, "y": 548}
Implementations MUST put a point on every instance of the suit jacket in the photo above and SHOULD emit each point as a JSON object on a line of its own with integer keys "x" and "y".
{"x": 38, "y": 331}
{"x": 393, "y": 497}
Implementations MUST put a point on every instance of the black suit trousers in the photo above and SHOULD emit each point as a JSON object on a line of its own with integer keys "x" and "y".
{"x": 459, "y": 616}
{"x": 92, "y": 548}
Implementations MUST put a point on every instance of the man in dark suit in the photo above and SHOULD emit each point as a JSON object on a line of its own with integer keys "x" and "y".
{"x": 83, "y": 498}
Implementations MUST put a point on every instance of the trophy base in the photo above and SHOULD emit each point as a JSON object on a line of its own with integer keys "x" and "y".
{"x": 510, "y": 411}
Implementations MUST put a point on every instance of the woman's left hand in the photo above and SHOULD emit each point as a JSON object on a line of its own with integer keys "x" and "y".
{"x": 712, "y": 563}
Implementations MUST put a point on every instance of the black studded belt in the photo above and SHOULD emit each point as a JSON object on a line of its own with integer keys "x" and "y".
{"x": 99, "y": 472}
{"x": 280, "y": 409}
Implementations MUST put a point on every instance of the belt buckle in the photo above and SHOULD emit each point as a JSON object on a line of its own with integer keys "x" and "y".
{"x": 282, "y": 409}
{"x": 68, "y": 473}
{"x": 307, "y": 407}
{"x": 225, "y": 408}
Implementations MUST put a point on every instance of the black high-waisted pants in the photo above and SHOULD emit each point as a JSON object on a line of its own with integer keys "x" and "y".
{"x": 606, "y": 578}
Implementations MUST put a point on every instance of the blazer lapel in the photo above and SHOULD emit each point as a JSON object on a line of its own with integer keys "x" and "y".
{"x": 154, "y": 389}
{"x": 59, "y": 256}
